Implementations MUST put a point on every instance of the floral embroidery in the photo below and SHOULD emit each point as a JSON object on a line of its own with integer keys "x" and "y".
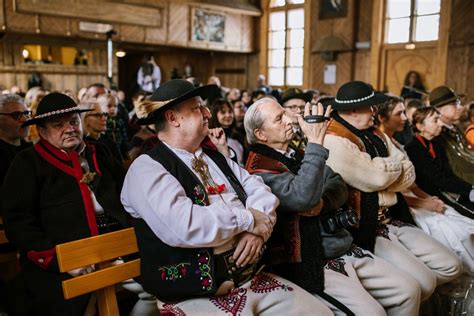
{"x": 232, "y": 303}
{"x": 398, "y": 223}
{"x": 337, "y": 265}
{"x": 171, "y": 310}
{"x": 382, "y": 231}
{"x": 265, "y": 283}
{"x": 199, "y": 194}
{"x": 357, "y": 252}
{"x": 174, "y": 272}
{"x": 204, "y": 262}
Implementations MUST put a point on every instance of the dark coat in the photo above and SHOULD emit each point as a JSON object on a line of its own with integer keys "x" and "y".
{"x": 43, "y": 206}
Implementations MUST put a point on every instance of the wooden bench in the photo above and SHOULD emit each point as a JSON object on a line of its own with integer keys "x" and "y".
{"x": 99, "y": 250}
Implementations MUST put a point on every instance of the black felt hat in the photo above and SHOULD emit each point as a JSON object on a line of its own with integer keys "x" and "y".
{"x": 54, "y": 104}
{"x": 443, "y": 95}
{"x": 356, "y": 94}
{"x": 172, "y": 93}
{"x": 295, "y": 93}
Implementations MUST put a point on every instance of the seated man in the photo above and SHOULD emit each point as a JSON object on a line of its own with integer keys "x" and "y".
{"x": 451, "y": 139}
{"x": 293, "y": 101}
{"x": 201, "y": 221}
{"x": 375, "y": 171}
{"x": 60, "y": 190}
{"x": 299, "y": 248}
{"x": 13, "y": 113}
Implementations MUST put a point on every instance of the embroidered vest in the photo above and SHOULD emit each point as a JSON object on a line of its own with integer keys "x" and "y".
{"x": 294, "y": 249}
{"x": 174, "y": 273}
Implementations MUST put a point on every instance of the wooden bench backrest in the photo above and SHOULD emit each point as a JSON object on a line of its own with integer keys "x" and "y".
{"x": 99, "y": 250}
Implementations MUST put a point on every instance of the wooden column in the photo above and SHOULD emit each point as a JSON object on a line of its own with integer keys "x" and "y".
{"x": 376, "y": 44}
{"x": 443, "y": 43}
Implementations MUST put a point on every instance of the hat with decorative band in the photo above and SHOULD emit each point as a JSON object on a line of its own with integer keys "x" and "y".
{"x": 443, "y": 95}
{"x": 52, "y": 105}
{"x": 169, "y": 94}
{"x": 295, "y": 93}
{"x": 356, "y": 94}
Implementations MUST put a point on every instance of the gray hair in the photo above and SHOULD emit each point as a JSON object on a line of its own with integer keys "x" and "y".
{"x": 9, "y": 98}
{"x": 254, "y": 119}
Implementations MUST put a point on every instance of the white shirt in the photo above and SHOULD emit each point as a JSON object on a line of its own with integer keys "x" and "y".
{"x": 150, "y": 192}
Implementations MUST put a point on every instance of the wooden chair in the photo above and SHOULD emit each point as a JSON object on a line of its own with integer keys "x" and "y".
{"x": 99, "y": 250}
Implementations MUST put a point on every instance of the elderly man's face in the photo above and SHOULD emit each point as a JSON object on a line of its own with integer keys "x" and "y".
{"x": 193, "y": 118}
{"x": 63, "y": 132}
{"x": 277, "y": 128}
{"x": 364, "y": 117}
{"x": 10, "y": 127}
{"x": 450, "y": 113}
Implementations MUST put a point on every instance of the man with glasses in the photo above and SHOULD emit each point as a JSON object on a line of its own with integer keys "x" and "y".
{"x": 61, "y": 189}
{"x": 461, "y": 158}
{"x": 293, "y": 101}
{"x": 13, "y": 113}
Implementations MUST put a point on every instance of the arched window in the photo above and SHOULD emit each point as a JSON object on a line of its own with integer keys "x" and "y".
{"x": 286, "y": 42}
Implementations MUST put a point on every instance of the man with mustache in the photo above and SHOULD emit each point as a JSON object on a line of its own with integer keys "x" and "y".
{"x": 201, "y": 220}
{"x": 60, "y": 190}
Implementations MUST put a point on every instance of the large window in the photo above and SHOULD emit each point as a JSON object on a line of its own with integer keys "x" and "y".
{"x": 285, "y": 43}
{"x": 409, "y": 21}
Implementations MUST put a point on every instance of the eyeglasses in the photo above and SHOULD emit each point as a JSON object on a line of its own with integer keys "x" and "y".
{"x": 99, "y": 115}
{"x": 18, "y": 114}
{"x": 295, "y": 107}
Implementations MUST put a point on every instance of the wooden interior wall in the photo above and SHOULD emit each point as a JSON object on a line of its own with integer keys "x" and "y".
{"x": 170, "y": 42}
{"x": 460, "y": 70}
{"x": 350, "y": 65}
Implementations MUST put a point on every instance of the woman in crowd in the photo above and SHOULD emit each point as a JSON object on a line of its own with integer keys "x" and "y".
{"x": 413, "y": 86}
{"x": 429, "y": 212}
{"x": 95, "y": 124}
{"x": 32, "y": 98}
{"x": 223, "y": 116}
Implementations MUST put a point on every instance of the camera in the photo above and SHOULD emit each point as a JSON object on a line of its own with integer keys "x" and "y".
{"x": 343, "y": 217}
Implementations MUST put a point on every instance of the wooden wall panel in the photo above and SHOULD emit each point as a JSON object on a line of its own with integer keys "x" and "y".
{"x": 362, "y": 66}
{"x": 179, "y": 16}
{"x": 400, "y": 61}
{"x": 54, "y": 26}
{"x": 233, "y": 34}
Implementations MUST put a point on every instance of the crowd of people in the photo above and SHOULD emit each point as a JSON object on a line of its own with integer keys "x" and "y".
{"x": 243, "y": 202}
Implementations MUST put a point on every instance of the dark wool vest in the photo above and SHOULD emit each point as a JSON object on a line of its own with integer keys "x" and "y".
{"x": 294, "y": 249}
{"x": 173, "y": 273}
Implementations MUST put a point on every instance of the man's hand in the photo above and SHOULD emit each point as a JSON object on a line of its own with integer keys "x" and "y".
{"x": 217, "y": 137}
{"x": 315, "y": 132}
{"x": 314, "y": 211}
{"x": 248, "y": 249}
{"x": 262, "y": 224}
{"x": 434, "y": 204}
{"x": 81, "y": 271}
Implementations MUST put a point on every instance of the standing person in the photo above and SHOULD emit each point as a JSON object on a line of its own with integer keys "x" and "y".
{"x": 13, "y": 113}
{"x": 201, "y": 220}
{"x": 223, "y": 116}
{"x": 460, "y": 157}
{"x": 60, "y": 190}
{"x": 293, "y": 101}
{"x": 413, "y": 87}
{"x": 305, "y": 247}
{"x": 149, "y": 74}
{"x": 430, "y": 213}
{"x": 375, "y": 171}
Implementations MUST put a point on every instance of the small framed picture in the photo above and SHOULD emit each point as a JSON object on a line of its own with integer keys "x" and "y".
{"x": 329, "y": 9}
{"x": 207, "y": 26}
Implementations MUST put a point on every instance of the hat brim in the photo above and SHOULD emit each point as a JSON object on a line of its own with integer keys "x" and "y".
{"x": 377, "y": 98}
{"x": 41, "y": 119}
{"x": 204, "y": 92}
{"x": 448, "y": 101}
{"x": 306, "y": 97}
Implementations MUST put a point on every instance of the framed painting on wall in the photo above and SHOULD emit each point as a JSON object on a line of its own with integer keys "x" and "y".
{"x": 329, "y": 9}
{"x": 207, "y": 26}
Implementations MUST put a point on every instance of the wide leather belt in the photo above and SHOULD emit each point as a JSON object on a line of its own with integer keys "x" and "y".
{"x": 383, "y": 216}
{"x": 226, "y": 270}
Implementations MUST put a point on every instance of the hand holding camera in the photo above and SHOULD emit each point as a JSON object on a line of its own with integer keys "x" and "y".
{"x": 315, "y": 122}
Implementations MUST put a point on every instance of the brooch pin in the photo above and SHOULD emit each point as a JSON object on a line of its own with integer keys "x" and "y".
{"x": 88, "y": 177}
